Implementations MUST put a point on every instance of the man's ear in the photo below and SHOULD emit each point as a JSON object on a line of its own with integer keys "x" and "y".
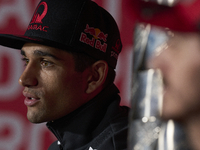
{"x": 99, "y": 71}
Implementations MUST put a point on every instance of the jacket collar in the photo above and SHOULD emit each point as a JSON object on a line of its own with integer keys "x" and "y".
{"x": 83, "y": 124}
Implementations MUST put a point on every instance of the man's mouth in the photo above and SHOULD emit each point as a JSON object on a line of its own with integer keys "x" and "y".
{"x": 30, "y": 99}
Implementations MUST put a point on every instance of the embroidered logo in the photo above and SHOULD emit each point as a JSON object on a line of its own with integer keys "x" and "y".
{"x": 115, "y": 49}
{"x": 98, "y": 39}
{"x": 37, "y": 18}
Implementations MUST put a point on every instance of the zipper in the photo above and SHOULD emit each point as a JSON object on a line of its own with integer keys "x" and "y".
{"x": 57, "y": 136}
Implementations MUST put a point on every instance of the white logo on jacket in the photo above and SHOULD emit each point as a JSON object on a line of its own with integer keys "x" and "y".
{"x": 92, "y": 148}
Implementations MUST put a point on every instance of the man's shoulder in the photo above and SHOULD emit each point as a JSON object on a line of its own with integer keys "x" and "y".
{"x": 114, "y": 137}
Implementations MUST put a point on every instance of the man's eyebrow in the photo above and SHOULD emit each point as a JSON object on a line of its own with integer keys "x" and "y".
{"x": 40, "y": 53}
{"x": 23, "y": 53}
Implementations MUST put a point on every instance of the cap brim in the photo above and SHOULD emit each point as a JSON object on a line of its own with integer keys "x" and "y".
{"x": 17, "y": 41}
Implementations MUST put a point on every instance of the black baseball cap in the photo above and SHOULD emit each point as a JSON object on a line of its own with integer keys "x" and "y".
{"x": 78, "y": 25}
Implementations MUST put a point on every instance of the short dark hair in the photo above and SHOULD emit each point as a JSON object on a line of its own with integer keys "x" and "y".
{"x": 83, "y": 61}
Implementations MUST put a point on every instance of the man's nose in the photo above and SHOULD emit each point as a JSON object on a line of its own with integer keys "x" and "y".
{"x": 29, "y": 77}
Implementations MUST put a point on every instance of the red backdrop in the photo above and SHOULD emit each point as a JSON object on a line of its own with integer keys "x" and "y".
{"x": 16, "y": 133}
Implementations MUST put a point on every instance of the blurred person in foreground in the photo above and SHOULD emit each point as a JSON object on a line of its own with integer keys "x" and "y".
{"x": 70, "y": 51}
{"x": 178, "y": 60}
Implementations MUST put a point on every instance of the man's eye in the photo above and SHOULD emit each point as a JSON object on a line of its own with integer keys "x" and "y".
{"x": 26, "y": 61}
{"x": 45, "y": 63}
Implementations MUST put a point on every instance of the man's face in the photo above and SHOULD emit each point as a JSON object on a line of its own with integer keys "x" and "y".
{"x": 52, "y": 87}
{"x": 180, "y": 66}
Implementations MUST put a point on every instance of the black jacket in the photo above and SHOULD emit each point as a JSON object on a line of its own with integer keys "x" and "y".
{"x": 101, "y": 124}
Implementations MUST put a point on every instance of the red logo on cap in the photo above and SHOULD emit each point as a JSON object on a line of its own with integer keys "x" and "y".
{"x": 37, "y": 18}
{"x": 116, "y": 49}
{"x": 117, "y": 46}
{"x": 97, "y": 35}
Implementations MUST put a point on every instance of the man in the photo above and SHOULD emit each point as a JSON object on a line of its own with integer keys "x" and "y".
{"x": 70, "y": 51}
{"x": 179, "y": 62}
